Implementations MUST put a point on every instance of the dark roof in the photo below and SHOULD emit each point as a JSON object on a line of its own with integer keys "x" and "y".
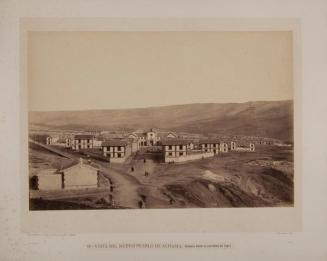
{"x": 210, "y": 141}
{"x": 174, "y": 142}
{"x": 114, "y": 143}
{"x": 217, "y": 141}
{"x": 83, "y": 136}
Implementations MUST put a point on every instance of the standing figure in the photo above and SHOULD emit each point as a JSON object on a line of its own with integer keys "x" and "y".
{"x": 140, "y": 204}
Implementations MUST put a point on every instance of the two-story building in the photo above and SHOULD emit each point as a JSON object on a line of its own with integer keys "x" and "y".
{"x": 116, "y": 150}
{"x": 68, "y": 142}
{"x": 210, "y": 145}
{"x": 83, "y": 141}
{"x": 174, "y": 149}
{"x": 215, "y": 145}
{"x": 142, "y": 140}
{"x": 152, "y": 138}
{"x": 224, "y": 146}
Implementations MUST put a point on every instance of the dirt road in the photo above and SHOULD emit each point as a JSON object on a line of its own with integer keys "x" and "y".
{"x": 125, "y": 186}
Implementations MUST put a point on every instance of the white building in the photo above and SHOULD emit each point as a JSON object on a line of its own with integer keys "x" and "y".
{"x": 144, "y": 139}
{"x": 210, "y": 145}
{"x": 215, "y": 146}
{"x": 245, "y": 146}
{"x": 83, "y": 141}
{"x": 116, "y": 150}
{"x": 175, "y": 151}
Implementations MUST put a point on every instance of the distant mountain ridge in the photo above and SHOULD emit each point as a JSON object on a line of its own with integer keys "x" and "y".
{"x": 260, "y": 118}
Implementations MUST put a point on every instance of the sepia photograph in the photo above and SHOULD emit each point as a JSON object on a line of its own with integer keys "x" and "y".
{"x": 179, "y": 130}
{"x": 160, "y": 119}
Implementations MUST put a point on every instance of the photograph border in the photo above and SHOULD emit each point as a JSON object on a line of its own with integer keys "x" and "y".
{"x": 269, "y": 219}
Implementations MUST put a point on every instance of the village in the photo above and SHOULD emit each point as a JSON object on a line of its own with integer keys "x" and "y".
{"x": 174, "y": 147}
{"x": 106, "y": 169}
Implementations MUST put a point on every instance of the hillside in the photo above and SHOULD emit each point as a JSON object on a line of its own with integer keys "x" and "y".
{"x": 262, "y": 118}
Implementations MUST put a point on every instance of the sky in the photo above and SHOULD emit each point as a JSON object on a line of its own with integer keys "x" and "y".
{"x": 115, "y": 70}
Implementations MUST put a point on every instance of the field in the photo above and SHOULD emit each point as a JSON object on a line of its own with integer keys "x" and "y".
{"x": 236, "y": 179}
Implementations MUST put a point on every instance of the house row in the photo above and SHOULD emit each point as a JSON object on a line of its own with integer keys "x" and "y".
{"x": 216, "y": 146}
{"x": 174, "y": 148}
{"x": 115, "y": 150}
{"x": 252, "y": 139}
{"x": 179, "y": 150}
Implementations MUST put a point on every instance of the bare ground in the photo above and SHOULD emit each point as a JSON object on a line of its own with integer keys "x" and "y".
{"x": 235, "y": 179}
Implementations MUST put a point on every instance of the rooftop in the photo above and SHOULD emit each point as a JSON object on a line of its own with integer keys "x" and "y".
{"x": 114, "y": 143}
{"x": 77, "y": 163}
{"x": 83, "y": 136}
{"x": 174, "y": 142}
{"x": 210, "y": 141}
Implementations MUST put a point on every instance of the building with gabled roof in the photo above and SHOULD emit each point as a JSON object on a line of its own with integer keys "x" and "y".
{"x": 116, "y": 150}
{"x": 146, "y": 138}
{"x": 80, "y": 175}
{"x": 177, "y": 150}
{"x": 173, "y": 149}
{"x": 76, "y": 175}
{"x": 171, "y": 135}
{"x": 83, "y": 141}
{"x": 213, "y": 145}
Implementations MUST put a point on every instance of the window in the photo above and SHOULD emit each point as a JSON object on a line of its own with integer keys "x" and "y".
{"x": 119, "y": 155}
{"x": 170, "y": 154}
{"x": 181, "y": 147}
{"x": 170, "y": 147}
{"x": 119, "y": 148}
{"x": 181, "y": 153}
